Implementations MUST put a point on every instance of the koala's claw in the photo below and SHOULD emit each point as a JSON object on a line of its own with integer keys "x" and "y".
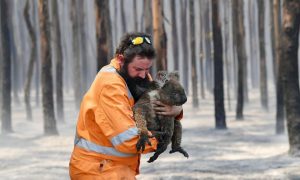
{"x": 142, "y": 143}
{"x": 181, "y": 150}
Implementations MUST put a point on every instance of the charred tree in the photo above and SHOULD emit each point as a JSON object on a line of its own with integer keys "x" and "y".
{"x": 262, "y": 53}
{"x": 80, "y": 11}
{"x": 77, "y": 74}
{"x": 234, "y": 45}
{"x": 174, "y": 35}
{"x": 218, "y": 68}
{"x": 185, "y": 55}
{"x": 135, "y": 16}
{"x": 241, "y": 53}
{"x": 208, "y": 49}
{"x": 193, "y": 54}
{"x": 147, "y": 9}
{"x": 123, "y": 20}
{"x": 278, "y": 61}
{"x": 59, "y": 62}
{"x": 6, "y": 126}
{"x": 202, "y": 36}
{"x": 290, "y": 46}
{"x": 103, "y": 32}
{"x": 159, "y": 36}
{"x": 31, "y": 61}
{"x": 47, "y": 87}
{"x": 253, "y": 44}
{"x": 226, "y": 50}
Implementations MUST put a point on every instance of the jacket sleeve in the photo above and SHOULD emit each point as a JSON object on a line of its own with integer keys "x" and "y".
{"x": 179, "y": 116}
{"x": 117, "y": 122}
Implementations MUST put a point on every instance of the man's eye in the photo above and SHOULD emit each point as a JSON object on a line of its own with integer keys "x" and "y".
{"x": 139, "y": 69}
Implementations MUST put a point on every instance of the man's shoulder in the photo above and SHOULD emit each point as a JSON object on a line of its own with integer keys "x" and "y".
{"x": 109, "y": 75}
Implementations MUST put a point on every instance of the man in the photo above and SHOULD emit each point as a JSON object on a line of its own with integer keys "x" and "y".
{"x": 106, "y": 134}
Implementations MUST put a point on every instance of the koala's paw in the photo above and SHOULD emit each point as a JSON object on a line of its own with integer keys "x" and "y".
{"x": 142, "y": 142}
{"x": 181, "y": 150}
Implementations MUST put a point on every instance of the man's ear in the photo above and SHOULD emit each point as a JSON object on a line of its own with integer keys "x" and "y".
{"x": 120, "y": 59}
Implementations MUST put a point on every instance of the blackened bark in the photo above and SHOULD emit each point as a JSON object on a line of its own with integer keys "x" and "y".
{"x": 31, "y": 61}
{"x": 174, "y": 35}
{"x": 202, "y": 37}
{"x": 185, "y": 55}
{"x": 80, "y": 11}
{"x": 262, "y": 52}
{"x": 159, "y": 35}
{"x": 208, "y": 48}
{"x": 59, "y": 63}
{"x": 290, "y": 45}
{"x": 241, "y": 53}
{"x": 135, "y": 16}
{"x": 193, "y": 55}
{"x": 123, "y": 16}
{"x": 102, "y": 32}
{"x": 148, "y": 16}
{"x": 77, "y": 74}
{"x": 47, "y": 87}
{"x": 218, "y": 68}
{"x": 278, "y": 60}
{"x": 6, "y": 125}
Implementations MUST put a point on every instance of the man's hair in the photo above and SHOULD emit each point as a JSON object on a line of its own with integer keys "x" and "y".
{"x": 129, "y": 50}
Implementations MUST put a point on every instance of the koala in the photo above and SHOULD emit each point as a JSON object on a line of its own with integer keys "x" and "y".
{"x": 167, "y": 89}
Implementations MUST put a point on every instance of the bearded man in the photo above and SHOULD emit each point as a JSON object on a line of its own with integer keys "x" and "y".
{"x": 106, "y": 133}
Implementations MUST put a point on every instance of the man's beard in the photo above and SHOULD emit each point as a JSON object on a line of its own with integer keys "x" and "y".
{"x": 136, "y": 85}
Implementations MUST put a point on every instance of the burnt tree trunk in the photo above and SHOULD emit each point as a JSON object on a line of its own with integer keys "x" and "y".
{"x": 47, "y": 87}
{"x": 218, "y": 68}
{"x": 59, "y": 63}
{"x": 123, "y": 20}
{"x": 83, "y": 44}
{"x": 77, "y": 74}
{"x": 234, "y": 46}
{"x": 278, "y": 60}
{"x": 102, "y": 32}
{"x": 290, "y": 46}
{"x": 32, "y": 61}
{"x": 262, "y": 53}
{"x": 253, "y": 44}
{"x": 208, "y": 49}
{"x": 174, "y": 35}
{"x": 135, "y": 16}
{"x": 193, "y": 55}
{"x": 148, "y": 20}
{"x": 272, "y": 32}
{"x": 159, "y": 36}
{"x": 6, "y": 126}
{"x": 241, "y": 53}
{"x": 226, "y": 50}
{"x": 202, "y": 37}
{"x": 185, "y": 55}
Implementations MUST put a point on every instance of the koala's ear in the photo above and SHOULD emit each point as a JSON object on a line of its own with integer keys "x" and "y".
{"x": 174, "y": 75}
{"x": 161, "y": 76}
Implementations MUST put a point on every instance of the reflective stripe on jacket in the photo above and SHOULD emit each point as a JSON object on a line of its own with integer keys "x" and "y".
{"x": 106, "y": 130}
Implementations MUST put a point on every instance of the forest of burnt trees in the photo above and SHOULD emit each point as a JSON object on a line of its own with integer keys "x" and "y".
{"x": 50, "y": 49}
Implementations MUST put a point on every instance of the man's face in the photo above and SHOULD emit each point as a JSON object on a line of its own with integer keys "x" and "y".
{"x": 135, "y": 75}
{"x": 139, "y": 67}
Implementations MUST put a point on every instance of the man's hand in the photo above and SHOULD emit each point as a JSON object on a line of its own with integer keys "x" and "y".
{"x": 166, "y": 110}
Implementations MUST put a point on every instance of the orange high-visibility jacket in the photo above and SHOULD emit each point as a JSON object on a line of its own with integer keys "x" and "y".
{"x": 106, "y": 133}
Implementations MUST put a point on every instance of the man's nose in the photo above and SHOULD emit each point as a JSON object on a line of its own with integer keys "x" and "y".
{"x": 142, "y": 75}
